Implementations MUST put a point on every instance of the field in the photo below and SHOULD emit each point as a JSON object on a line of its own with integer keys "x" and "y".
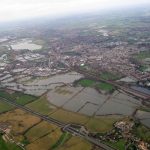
{"x": 63, "y": 138}
{"x": 66, "y": 116}
{"x": 18, "y": 97}
{"x": 41, "y": 105}
{"x": 86, "y": 82}
{"x": 105, "y": 86}
{"x": 109, "y": 76}
{"x": 19, "y": 120}
{"x": 4, "y": 107}
{"x": 98, "y": 85}
{"x": 102, "y": 124}
{"x": 39, "y": 130}
{"x": 76, "y": 143}
{"x": 119, "y": 145}
{"x": 45, "y": 142}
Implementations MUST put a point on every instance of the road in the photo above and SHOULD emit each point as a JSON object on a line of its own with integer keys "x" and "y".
{"x": 43, "y": 117}
{"x": 62, "y": 125}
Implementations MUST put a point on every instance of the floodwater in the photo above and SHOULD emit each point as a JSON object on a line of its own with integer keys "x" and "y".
{"x": 144, "y": 117}
{"x": 25, "y": 44}
{"x": 60, "y": 78}
{"x": 89, "y": 102}
{"x": 38, "y": 87}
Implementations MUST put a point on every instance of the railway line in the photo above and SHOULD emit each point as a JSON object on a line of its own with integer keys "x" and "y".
{"x": 125, "y": 89}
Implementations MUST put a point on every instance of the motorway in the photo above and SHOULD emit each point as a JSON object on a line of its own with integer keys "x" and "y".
{"x": 43, "y": 117}
{"x": 62, "y": 125}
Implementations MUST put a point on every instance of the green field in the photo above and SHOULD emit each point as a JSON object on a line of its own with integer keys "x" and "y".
{"x": 41, "y": 105}
{"x": 105, "y": 86}
{"x": 86, "y": 82}
{"x": 109, "y": 76}
{"x": 4, "y": 107}
{"x": 8, "y": 145}
{"x": 101, "y": 124}
{"x": 18, "y": 97}
{"x": 98, "y": 85}
{"x": 63, "y": 138}
{"x": 119, "y": 145}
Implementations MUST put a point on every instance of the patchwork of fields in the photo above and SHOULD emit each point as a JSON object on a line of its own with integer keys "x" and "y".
{"x": 89, "y": 102}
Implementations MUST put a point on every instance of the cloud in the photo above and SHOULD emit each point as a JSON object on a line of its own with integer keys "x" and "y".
{"x": 19, "y": 9}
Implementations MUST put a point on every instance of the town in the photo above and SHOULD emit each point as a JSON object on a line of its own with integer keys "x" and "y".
{"x": 87, "y": 80}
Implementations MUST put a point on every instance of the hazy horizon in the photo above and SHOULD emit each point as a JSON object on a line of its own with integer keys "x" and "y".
{"x": 24, "y": 9}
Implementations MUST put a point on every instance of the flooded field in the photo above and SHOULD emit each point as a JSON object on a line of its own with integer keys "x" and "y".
{"x": 60, "y": 78}
{"x": 90, "y": 102}
{"x": 86, "y": 100}
{"x": 144, "y": 117}
{"x": 61, "y": 93}
{"x": 25, "y": 44}
{"x": 39, "y": 86}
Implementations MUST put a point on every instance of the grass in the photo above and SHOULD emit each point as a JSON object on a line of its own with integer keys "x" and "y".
{"x": 63, "y": 138}
{"x": 86, "y": 82}
{"x": 39, "y": 130}
{"x": 95, "y": 124}
{"x": 143, "y": 133}
{"x": 45, "y": 142}
{"x": 18, "y": 97}
{"x": 4, "y": 107}
{"x": 76, "y": 143}
{"x": 98, "y": 85}
{"x": 102, "y": 124}
{"x": 109, "y": 76}
{"x": 69, "y": 117}
{"x": 119, "y": 145}
{"x": 105, "y": 86}
{"x": 7, "y": 145}
{"x": 41, "y": 105}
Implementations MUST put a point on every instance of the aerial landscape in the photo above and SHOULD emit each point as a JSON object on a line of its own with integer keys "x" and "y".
{"x": 76, "y": 82}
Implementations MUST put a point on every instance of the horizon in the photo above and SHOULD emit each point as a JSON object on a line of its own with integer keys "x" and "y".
{"x": 26, "y": 9}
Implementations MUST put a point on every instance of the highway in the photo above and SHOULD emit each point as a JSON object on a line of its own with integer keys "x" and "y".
{"x": 62, "y": 125}
{"x": 43, "y": 117}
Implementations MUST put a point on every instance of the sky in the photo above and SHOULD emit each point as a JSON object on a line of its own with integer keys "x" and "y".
{"x": 21, "y": 9}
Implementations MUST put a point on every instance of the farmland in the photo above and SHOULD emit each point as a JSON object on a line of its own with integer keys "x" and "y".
{"x": 4, "y": 107}
{"x": 41, "y": 105}
{"x": 18, "y": 97}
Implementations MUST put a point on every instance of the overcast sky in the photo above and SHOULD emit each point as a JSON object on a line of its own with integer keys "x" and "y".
{"x": 21, "y": 9}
